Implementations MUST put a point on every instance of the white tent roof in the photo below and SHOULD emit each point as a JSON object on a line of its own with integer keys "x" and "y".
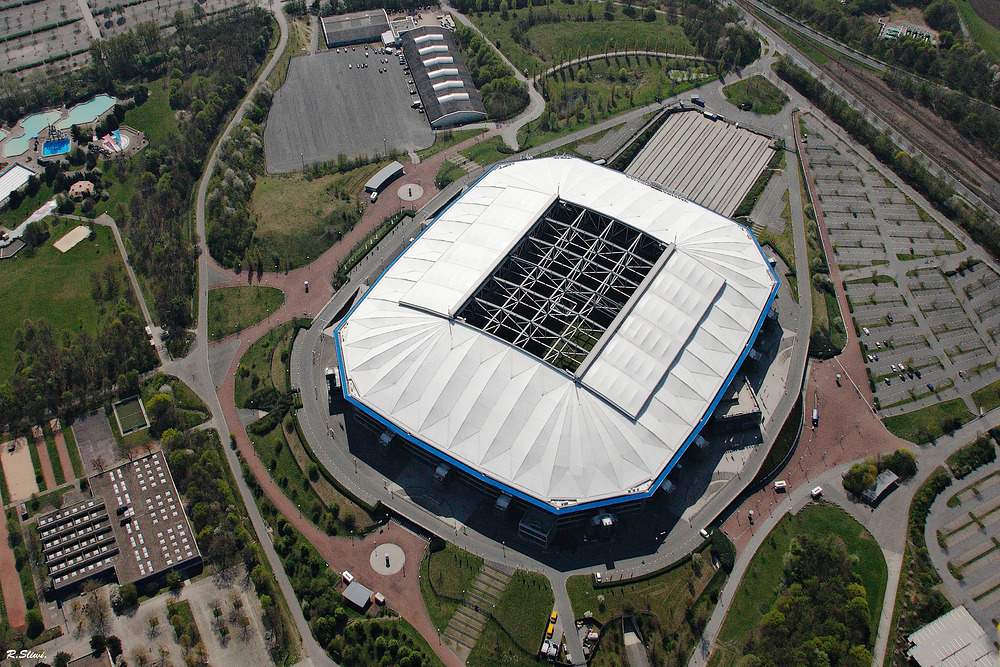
{"x": 634, "y": 403}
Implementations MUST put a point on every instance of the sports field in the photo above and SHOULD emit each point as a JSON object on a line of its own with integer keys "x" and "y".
{"x": 130, "y": 416}
{"x": 55, "y": 286}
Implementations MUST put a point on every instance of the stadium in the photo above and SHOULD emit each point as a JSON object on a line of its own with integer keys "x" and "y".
{"x": 560, "y": 334}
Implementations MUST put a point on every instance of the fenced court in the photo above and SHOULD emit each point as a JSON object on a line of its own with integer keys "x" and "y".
{"x": 131, "y": 415}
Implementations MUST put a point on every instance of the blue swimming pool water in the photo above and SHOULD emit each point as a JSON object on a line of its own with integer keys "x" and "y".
{"x": 50, "y": 148}
{"x": 86, "y": 112}
{"x": 31, "y": 125}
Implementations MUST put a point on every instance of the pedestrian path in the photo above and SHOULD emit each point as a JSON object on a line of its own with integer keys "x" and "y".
{"x": 468, "y": 622}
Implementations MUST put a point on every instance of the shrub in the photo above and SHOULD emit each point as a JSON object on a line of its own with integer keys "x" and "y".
{"x": 973, "y": 455}
{"x": 35, "y": 624}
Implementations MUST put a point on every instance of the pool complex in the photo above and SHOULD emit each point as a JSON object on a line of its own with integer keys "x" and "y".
{"x": 30, "y": 126}
{"x": 86, "y": 112}
{"x": 50, "y": 148}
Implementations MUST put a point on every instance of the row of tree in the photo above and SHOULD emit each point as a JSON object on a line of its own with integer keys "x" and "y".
{"x": 955, "y": 63}
{"x": 502, "y": 94}
{"x": 941, "y": 195}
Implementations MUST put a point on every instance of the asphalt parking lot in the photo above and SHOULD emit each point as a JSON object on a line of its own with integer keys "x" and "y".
{"x": 330, "y": 104}
{"x": 919, "y": 306}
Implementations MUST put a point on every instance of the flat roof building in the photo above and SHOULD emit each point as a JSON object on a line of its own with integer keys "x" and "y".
{"x": 384, "y": 177}
{"x": 953, "y": 640}
{"x": 441, "y": 77}
{"x": 561, "y": 332}
{"x": 356, "y": 28}
{"x": 134, "y": 523}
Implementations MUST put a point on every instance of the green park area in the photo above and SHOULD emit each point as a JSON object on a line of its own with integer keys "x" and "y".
{"x": 931, "y": 422}
{"x": 447, "y": 139}
{"x": 988, "y": 397}
{"x": 671, "y": 606}
{"x": 818, "y": 572}
{"x": 583, "y": 95}
{"x": 828, "y": 334}
{"x": 757, "y": 94}
{"x": 233, "y": 309}
{"x": 299, "y": 216}
{"x": 73, "y": 291}
{"x": 558, "y": 33}
{"x": 262, "y": 384}
{"x": 514, "y": 630}
{"x": 445, "y": 574}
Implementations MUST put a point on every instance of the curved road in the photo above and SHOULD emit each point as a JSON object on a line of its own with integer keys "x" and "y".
{"x": 194, "y": 369}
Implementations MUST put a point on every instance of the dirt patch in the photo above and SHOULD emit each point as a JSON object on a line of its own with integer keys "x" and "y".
{"x": 988, "y": 11}
{"x": 13, "y": 596}
{"x": 18, "y": 469}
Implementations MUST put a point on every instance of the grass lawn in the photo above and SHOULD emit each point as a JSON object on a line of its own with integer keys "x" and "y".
{"x": 553, "y": 43}
{"x": 232, "y": 309}
{"x": 255, "y": 366}
{"x": 298, "y": 216}
{"x": 190, "y": 409}
{"x": 444, "y": 577}
{"x": 763, "y": 578}
{"x": 783, "y": 243}
{"x": 765, "y": 97}
{"x": 50, "y": 447}
{"x": 929, "y": 423}
{"x": 154, "y": 117}
{"x": 581, "y": 96}
{"x": 985, "y": 35}
{"x": 448, "y": 173}
{"x": 55, "y": 286}
{"x": 988, "y": 397}
{"x": 523, "y": 611}
{"x": 446, "y": 140}
{"x": 74, "y": 451}
{"x": 488, "y": 152}
{"x": 681, "y": 590}
{"x": 11, "y": 218}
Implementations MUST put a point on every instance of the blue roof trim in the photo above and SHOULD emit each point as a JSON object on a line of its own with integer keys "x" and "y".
{"x": 572, "y": 509}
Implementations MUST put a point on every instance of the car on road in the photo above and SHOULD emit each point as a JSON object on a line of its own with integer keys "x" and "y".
{"x": 889, "y": 317}
{"x": 893, "y": 368}
{"x": 704, "y": 533}
{"x": 930, "y": 386}
{"x": 902, "y": 367}
{"x": 888, "y": 382}
{"x": 917, "y": 372}
{"x": 867, "y": 332}
{"x": 876, "y": 357}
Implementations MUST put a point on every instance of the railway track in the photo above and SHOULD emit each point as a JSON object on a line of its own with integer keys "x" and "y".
{"x": 928, "y": 132}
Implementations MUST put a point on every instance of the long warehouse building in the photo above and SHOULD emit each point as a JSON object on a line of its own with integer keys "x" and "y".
{"x": 442, "y": 80}
{"x": 560, "y": 333}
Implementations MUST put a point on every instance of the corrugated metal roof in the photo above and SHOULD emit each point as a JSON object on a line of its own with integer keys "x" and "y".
{"x": 506, "y": 414}
{"x": 12, "y": 178}
{"x": 953, "y": 640}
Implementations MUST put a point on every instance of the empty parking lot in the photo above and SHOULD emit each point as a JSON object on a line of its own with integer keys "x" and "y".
{"x": 330, "y": 104}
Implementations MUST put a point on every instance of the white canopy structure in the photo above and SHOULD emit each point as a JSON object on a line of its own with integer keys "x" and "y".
{"x": 562, "y": 331}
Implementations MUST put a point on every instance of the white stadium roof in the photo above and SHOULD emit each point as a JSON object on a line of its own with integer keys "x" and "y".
{"x": 465, "y": 344}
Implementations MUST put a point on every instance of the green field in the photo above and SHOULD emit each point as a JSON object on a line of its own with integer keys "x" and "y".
{"x": 257, "y": 362}
{"x": 548, "y": 44}
{"x": 985, "y": 35}
{"x": 445, "y": 575}
{"x": 233, "y": 309}
{"x": 988, "y": 397}
{"x": 523, "y": 611}
{"x": 299, "y": 216}
{"x": 155, "y": 117}
{"x": 763, "y": 578}
{"x": 929, "y": 423}
{"x": 55, "y": 286}
{"x": 584, "y": 95}
{"x": 446, "y": 140}
{"x": 765, "y": 97}
{"x": 130, "y": 416}
{"x": 488, "y": 152}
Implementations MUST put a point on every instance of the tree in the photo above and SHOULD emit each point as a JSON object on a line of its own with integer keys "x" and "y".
{"x": 174, "y": 580}
{"x": 114, "y": 645}
{"x": 861, "y": 477}
{"x": 98, "y": 644}
{"x": 62, "y": 659}
{"x": 35, "y": 624}
{"x": 128, "y": 597}
{"x": 161, "y": 414}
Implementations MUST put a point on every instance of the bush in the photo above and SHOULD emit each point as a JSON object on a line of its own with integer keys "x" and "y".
{"x": 903, "y": 462}
{"x": 723, "y": 550}
{"x": 35, "y": 624}
{"x": 861, "y": 477}
{"x": 971, "y": 456}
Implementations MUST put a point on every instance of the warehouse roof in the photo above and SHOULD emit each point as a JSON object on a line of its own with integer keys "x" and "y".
{"x": 442, "y": 79}
{"x": 562, "y": 330}
{"x": 355, "y": 28}
{"x": 953, "y": 640}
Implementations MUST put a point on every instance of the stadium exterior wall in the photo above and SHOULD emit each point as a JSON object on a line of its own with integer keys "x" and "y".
{"x": 503, "y": 488}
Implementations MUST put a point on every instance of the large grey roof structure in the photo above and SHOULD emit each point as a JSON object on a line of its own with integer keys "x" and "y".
{"x": 561, "y": 331}
{"x": 356, "y": 28}
{"x": 952, "y": 640}
{"x": 441, "y": 77}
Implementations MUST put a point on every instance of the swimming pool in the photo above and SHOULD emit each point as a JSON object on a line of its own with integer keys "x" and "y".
{"x": 50, "y": 148}
{"x": 86, "y": 112}
{"x": 30, "y": 126}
